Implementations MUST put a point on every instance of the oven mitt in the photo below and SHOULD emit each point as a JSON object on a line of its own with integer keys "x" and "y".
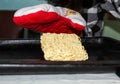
{"x": 47, "y": 18}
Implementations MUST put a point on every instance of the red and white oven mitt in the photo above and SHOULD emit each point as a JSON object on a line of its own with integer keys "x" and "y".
{"x": 47, "y": 18}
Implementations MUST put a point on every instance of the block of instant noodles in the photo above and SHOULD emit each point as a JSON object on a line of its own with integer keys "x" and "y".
{"x": 63, "y": 47}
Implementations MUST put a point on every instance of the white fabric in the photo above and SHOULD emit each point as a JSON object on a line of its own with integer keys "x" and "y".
{"x": 101, "y": 78}
{"x": 77, "y": 18}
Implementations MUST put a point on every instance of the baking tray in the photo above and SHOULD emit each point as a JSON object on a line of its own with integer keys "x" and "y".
{"x": 24, "y": 56}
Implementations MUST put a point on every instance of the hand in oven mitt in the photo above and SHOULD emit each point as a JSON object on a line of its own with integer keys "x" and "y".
{"x": 50, "y": 19}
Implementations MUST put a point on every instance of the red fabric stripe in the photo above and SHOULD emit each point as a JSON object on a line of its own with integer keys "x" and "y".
{"x": 48, "y": 22}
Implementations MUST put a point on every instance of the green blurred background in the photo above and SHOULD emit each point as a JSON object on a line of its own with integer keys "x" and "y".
{"x": 112, "y": 29}
{"x": 17, "y": 4}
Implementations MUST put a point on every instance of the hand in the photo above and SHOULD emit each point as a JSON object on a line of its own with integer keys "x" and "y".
{"x": 50, "y": 21}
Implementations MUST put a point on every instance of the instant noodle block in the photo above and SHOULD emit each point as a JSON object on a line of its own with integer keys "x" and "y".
{"x": 63, "y": 47}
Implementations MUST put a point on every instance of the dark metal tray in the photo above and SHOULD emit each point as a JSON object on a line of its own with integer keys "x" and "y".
{"x": 26, "y": 57}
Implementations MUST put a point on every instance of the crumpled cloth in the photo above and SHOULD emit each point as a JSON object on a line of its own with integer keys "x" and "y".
{"x": 47, "y": 18}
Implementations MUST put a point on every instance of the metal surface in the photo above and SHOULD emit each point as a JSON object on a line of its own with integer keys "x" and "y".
{"x": 26, "y": 57}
